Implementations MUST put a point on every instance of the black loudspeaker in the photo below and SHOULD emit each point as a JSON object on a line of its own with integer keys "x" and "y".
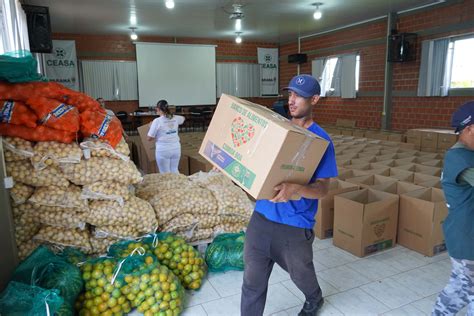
{"x": 297, "y": 58}
{"x": 39, "y": 28}
{"x": 402, "y": 47}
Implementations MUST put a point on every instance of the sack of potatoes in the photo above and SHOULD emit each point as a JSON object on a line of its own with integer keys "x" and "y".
{"x": 17, "y": 149}
{"x": 97, "y": 148}
{"x": 23, "y": 171}
{"x": 106, "y": 190}
{"x": 64, "y": 237}
{"x": 20, "y": 193}
{"x": 102, "y": 169}
{"x": 69, "y": 197}
{"x": 53, "y": 153}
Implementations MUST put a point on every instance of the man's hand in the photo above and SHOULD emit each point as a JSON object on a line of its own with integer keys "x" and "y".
{"x": 286, "y": 191}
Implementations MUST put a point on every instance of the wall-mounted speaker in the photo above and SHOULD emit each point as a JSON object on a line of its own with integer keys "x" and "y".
{"x": 297, "y": 58}
{"x": 39, "y": 28}
{"x": 402, "y": 47}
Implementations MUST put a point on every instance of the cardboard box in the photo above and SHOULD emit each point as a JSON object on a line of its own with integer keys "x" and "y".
{"x": 358, "y": 133}
{"x": 349, "y": 173}
{"x": 325, "y": 214}
{"x": 434, "y": 183}
{"x": 401, "y": 175}
{"x": 183, "y": 166}
{"x": 365, "y": 221}
{"x": 413, "y": 136}
{"x": 259, "y": 149}
{"x": 368, "y": 180}
{"x": 446, "y": 140}
{"x": 422, "y": 213}
{"x": 148, "y": 145}
{"x": 398, "y": 187}
{"x": 197, "y": 163}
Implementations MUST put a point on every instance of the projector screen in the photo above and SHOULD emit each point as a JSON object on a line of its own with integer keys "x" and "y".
{"x": 179, "y": 73}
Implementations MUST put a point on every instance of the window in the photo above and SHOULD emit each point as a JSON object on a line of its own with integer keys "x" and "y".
{"x": 357, "y": 72}
{"x": 338, "y": 75}
{"x": 328, "y": 76}
{"x": 13, "y": 29}
{"x": 462, "y": 66}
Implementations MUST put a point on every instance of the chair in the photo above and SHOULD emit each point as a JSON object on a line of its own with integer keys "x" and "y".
{"x": 126, "y": 123}
{"x": 197, "y": 119}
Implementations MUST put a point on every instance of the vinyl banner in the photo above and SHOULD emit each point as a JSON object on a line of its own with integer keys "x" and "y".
{"x": 268, "y": 60}
{"x": 61, "y": 65}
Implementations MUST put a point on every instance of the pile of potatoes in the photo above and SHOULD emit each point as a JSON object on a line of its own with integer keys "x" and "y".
{"x": 102, "y": 169}
{"x": 231, "y": 200}
{"x": 135, "y": 212}
{"x": 17, "y": 149}
{"x": 61, "y": 197}
{"x": 25, "y": 225}
{"x": 53, "y": 153}
{"x": 26, "y": 248}
{"x": 197, "y": 234}
{"x": 205, "y": 179}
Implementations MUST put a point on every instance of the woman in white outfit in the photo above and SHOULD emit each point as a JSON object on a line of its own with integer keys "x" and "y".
{"x": 164, "y": 130}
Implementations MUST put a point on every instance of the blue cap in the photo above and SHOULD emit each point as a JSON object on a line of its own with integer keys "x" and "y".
{"x": 463, "y": 116}
{"x": 304, "y": 85}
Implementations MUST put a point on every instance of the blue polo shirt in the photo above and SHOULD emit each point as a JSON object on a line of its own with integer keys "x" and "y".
{"x": 300, "y": 213}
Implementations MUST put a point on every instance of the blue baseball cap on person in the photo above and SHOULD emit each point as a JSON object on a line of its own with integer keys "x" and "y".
{"x": 304, "y": 85}
{"x": 464, "y": 116}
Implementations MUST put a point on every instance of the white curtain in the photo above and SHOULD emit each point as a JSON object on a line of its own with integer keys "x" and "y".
{"x": 238, "y": 79}
{"x": 13, "y": 28}
{"x": 433, "y": 79}
{"x": 348, "y": 76}
{"x": 317, "y": 67}
{"x": 111, "y": 80}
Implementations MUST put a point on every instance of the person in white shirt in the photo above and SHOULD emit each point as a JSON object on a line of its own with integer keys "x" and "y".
{"x": 164, "y": 130}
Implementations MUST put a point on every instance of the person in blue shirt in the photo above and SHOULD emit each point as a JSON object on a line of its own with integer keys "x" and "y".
{"x": 281, "y": 230}
{"x": 458, "y": 227}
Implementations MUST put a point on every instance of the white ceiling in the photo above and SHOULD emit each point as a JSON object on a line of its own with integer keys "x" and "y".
{"x": 265, "y": 20}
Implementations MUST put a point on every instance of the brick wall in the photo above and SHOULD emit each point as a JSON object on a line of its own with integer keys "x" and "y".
{"x": 407, "y": 112}
{"x": 102, "y": 47}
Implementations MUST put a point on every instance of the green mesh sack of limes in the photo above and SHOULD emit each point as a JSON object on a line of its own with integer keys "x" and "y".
{"x": 226, "y": 252}
{"x": 19, "y": 66}
{"x": 20, "y": 299}
{"x": 46, "y": 270}
{"x": 116, "y": 285}
{"x": 172, "y": 251}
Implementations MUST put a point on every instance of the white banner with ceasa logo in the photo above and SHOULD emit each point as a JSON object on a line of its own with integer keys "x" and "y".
{"x": 61, "y": 65}
{"x": 268, "y": 60}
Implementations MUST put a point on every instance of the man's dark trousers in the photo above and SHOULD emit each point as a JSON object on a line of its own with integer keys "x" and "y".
{"x": 267, "y": 242}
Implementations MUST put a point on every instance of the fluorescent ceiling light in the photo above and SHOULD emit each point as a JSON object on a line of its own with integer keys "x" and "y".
{"x": 238, "y": 24}
{"x": 169, "y": 4}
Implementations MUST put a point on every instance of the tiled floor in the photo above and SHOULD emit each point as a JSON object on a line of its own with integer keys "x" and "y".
{"x": 395, "y": 282}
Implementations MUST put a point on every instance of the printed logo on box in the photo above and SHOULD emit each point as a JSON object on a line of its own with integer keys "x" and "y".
{"x": 241, "y": 131}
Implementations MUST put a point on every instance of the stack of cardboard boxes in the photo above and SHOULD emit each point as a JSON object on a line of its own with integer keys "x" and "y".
{"x": 431, "y": 140}
{"x": 395, "y": 198}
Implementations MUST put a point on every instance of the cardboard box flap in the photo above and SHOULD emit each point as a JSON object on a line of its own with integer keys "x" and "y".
{"x": 271, "y": 116}
{"x": 398, "y": 187}
{"x": 368, "y": 196}
{"x": 421, "y": 177}
{"x": 427, "y": 194}
{"x": 337, "y": 185}
{"x": 370, "y": 179}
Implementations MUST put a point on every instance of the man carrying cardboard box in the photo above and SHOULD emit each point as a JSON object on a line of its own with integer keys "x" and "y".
{"x": 458, "y": 185}
{"x": 281, "y": 230}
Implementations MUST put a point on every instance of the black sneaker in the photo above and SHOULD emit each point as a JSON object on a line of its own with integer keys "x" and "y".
{"x": 311, "y": 308}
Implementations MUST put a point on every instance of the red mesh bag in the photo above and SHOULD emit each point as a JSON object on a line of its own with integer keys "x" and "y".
{"x": 37, "y": 134}
{"x": 83, "y": 102}
{"x": 24, "y": 91}
{"x": 16, "y": 112}
{"x": 53, "y": 113}
{"x": 105, "y": 127}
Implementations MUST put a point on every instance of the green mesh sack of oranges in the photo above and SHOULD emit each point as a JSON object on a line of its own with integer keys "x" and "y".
{"x": 29, "y": 300}
{"x": 46, "y": 270}
{"x": 226, "y": 252}
{"x": 115, "y": 286}
{"x": 173, "y": 252}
